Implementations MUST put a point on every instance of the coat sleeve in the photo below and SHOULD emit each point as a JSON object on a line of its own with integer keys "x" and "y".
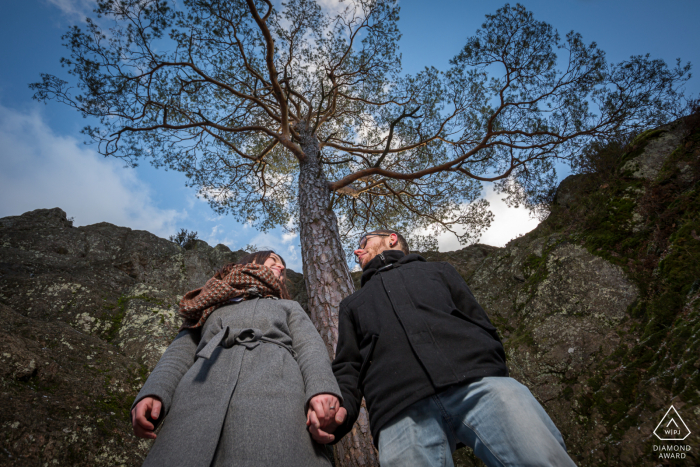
{"x": 346, "y": 368}
{"x": 312, "y": 356}
{"x": 465, "y": 301}
{"x": 172, "y": 366}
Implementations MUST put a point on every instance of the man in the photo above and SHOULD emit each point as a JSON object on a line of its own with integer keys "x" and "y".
{"x": 415, "y": 342}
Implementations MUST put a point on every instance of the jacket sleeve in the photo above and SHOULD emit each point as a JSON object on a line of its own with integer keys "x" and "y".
{"x": 172, "y": 366}
{"x": 465, "y": 301}
{"x": 346, "y": 368}
{"x": 312, "y": 356}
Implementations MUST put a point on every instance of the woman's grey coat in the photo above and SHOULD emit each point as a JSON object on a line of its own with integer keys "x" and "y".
{"x": 241, "y": 400}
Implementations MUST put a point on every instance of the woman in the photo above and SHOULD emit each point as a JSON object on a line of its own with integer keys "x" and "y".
{"x": 234, "y": 386}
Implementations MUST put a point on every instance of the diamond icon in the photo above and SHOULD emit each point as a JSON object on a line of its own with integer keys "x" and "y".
{"x": 672, "y": 427}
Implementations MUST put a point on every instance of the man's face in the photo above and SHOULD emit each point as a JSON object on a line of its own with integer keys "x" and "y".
{"x": 374, "y": 245}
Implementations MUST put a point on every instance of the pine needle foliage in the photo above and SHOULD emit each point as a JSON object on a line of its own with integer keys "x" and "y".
{"x": 225, "y": 90}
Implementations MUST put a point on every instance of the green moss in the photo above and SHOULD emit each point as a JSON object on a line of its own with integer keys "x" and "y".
{"x": 646, "y": 136}
{"x": 112, "y": 407}
{"x": 117, "y": 317}
{"x": 568, "y": 393}
{"x": 119, "y": 311}
{"x": 501, "y": 323}
{"x": 639, "y": 143}
{"x": 465, "y": 457}
{"x": 662, "y": 341}
{"x": 536, "y": 271}
{"x": 608, "y": 227}
{"x": 143, "y": 372}
{"x": 518, "y": 338}
{"x": 535, "y": 268}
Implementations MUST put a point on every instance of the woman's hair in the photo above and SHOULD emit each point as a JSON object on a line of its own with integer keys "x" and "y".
{"x": 259, "y": 257}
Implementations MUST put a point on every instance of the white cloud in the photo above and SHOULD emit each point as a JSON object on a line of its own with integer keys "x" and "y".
{"x": 508, "y": 224}
{"x": 215, "y": 234}
{"x": 220, "y": 195}
{"x": 292, "y": 255}
{"x": 280, "y": 242}
{"x": 74, "y": 9}
{"x": 40, "y": 169}
{"x": 336, "y": 7}
{"x": 219, "y": 234}
{"x": 285, "y": 243}
{"x": 288, "y": 237}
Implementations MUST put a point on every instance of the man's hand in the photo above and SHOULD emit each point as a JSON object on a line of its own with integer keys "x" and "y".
{"x": 148, "y": 406}
{"x": 324, "y": 406}
{"x": 324, "y": 416}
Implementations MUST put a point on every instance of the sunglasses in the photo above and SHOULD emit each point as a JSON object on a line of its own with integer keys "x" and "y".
{"x": 363, "y": 239}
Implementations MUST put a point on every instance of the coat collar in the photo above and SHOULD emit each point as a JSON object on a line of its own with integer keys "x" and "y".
{"x": 384, "y": 259}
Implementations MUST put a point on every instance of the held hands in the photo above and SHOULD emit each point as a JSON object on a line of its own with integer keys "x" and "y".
{"x": 324, "y": 416}
{"x": 148, "y": 406}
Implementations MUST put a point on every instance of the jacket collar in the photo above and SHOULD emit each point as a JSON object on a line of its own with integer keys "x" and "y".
{"x": 384, "y": 259}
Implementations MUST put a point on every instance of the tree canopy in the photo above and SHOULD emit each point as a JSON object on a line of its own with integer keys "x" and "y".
{"x": 223, "y": 90}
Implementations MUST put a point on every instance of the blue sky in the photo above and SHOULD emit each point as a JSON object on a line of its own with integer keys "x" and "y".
{"x": 44, "y": 164}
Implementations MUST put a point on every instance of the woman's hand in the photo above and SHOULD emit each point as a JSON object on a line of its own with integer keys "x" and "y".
{"x": 324, "y": 406}
{"x": 148, "y": 406}
{"x": 324, "y": 416}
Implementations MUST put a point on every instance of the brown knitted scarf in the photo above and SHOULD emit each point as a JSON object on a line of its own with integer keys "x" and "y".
{"x": 242, "y": 280}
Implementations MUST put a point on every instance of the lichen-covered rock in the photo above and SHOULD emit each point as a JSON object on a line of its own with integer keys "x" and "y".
{"x": 65, "y": 396}
{"x": 88, "y": 311}
{"x": 599, "y": 307}
{"x": 558, "y": 308}
{"x": 570, "y": 189}
{"x": 654, "y": 148}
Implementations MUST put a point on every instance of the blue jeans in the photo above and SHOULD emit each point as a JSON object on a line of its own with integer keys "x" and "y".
{"x": 496, "y": 416}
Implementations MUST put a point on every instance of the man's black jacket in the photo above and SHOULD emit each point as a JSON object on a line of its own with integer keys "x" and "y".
{"x": 413, "y": 329}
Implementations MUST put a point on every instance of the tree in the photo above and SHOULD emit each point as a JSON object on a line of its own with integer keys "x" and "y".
{"x": 185, "y": 239}
{"x": 301, "y": 117}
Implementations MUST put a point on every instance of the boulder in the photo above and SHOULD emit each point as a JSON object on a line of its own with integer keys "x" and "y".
{"x": 652, "y": 148}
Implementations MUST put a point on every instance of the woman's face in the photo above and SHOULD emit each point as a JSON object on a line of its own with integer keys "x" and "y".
{"x": 275, "y": 263}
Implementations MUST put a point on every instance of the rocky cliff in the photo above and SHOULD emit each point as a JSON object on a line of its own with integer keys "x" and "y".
{"x": 87, "y": 313}
{"x": 598, "y": 308}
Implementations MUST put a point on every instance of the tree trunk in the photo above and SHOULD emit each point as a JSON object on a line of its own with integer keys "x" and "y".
{"x": 328, "y": 281}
